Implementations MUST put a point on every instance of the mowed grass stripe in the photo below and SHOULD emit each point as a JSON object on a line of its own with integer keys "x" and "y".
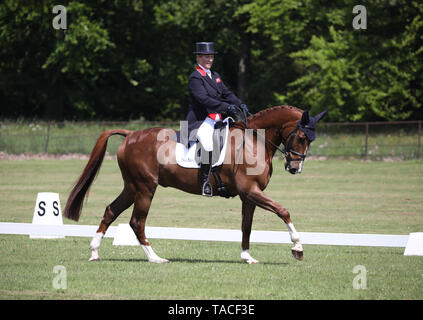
{"x": 203, "y": 270}
{"x": 329, "y": 196}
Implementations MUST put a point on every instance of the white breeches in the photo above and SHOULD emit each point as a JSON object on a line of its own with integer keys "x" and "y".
{"x": 205, "y": 134}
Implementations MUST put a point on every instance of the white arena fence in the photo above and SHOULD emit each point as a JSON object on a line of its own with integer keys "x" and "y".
{"x": 281, "y": 237}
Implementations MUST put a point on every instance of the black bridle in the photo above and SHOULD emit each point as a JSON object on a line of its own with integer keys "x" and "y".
{"x": 287, "y": 144}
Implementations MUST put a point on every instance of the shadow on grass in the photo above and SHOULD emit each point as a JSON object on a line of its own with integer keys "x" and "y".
{"x": 181, "y": 260}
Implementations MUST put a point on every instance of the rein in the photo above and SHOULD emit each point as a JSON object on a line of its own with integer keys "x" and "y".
{"x": 286, "y": 150}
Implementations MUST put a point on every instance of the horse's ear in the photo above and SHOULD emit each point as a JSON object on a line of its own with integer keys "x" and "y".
{"x": 320, "y": 115}
{"x": 305, "y": 119}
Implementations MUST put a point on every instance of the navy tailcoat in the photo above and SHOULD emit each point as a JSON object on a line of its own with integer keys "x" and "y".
{"x": 208, "y": 96}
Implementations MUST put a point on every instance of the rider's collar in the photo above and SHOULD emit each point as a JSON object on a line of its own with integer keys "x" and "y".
{"x": 207, "y": 71}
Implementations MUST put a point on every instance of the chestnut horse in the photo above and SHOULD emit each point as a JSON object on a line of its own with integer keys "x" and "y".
{"x": 142, "y": 172}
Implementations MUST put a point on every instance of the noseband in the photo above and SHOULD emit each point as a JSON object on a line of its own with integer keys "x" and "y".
{"x": 288, "y": 146}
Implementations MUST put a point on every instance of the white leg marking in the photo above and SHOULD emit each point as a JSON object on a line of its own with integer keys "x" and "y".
{"x": 245, "y": 255}
{"x": 95, "y": 245}
{"x": 152, "y": 256}
{"x": 295, "y": 237}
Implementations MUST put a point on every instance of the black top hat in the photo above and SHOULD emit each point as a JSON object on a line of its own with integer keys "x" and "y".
{"x": 204, "y": 48}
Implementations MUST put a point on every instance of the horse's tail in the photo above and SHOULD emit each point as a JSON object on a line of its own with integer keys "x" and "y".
{"x": 75, "y": 201}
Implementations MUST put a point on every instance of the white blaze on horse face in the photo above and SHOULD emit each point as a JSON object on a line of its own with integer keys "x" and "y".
{"x": 302, "y": 161}
{"x": 300, "y": 167}
{"x": 294, "y": 166}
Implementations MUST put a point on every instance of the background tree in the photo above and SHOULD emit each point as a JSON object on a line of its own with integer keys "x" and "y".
{"x": 357, "y": 74}
{"x": 131, "y": 59}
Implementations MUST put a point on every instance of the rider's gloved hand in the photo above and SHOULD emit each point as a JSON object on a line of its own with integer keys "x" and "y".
{"x": 232, "y": 110}
{"x": 244, "y": 107}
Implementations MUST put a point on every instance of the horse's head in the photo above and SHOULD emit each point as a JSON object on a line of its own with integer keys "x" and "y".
{"x": 298, "y": 141}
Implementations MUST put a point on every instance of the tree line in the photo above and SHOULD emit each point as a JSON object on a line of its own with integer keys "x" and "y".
{"x": 130, "y": 59}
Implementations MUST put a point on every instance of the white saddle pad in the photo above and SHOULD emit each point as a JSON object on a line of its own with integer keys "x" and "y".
{"x": 185, "y": 157}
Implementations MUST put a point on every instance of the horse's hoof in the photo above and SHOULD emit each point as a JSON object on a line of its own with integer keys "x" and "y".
{"x": 251, "y": 261}
{"x": 94, "y": 256}
{"x": 297, "y": 254}
{"x": 160, "y": 260}
{"x": 246, "y": 257}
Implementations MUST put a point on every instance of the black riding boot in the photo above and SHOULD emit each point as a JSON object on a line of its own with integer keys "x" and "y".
{"x": 206, "y": 188}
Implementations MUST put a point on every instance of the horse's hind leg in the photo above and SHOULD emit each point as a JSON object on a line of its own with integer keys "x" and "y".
{"x": 120, "y": 204}
{"x": 247, "y": 220}
{"x": 142, "y": 204}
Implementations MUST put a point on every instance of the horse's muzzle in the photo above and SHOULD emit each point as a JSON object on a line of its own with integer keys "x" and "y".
{"x": 294, "y": 168}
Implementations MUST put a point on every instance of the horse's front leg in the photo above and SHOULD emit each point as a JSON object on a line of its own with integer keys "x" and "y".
{"x": 297, "y": 249}
{"x": 259, "y": 198}
{"x": 247, "y": 221}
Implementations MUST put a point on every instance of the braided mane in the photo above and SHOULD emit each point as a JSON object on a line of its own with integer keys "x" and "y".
{"x": 267, "y": 117}
{"x": 264, "y": 112}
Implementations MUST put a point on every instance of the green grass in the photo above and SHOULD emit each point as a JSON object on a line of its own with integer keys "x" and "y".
{"x": 329, "y": 196}
{"x": 203, "y": 270}
{"x": 60, "y": 138}
{"x": 335, "y": 140}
